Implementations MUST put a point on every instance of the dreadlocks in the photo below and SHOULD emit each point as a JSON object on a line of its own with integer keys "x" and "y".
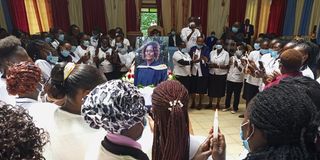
{"x": 171, "y": 129}
{"x": 289, "y": 120}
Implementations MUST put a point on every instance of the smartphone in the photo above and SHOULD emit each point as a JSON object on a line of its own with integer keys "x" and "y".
{"x": 260, "y": 64}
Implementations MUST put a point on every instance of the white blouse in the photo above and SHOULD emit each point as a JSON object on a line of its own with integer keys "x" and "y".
{"x": 105, "y": 66}
{"x": 81, "y": 52}
{"x": 234, "y": 74}
{"x": 70, "y": 135}
{"x": 307, "y": 72}
{"x": 178, "y": 69}
{"x": 220, "y": 59}
{"x": 193, "y": 39}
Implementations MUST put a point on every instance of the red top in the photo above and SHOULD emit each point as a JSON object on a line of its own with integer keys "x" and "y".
{"x": 277, "y": 80}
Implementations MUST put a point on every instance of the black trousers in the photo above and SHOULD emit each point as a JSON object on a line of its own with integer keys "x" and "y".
{"x": 233, "y": 88}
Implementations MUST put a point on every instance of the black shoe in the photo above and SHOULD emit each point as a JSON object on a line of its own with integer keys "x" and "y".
{"x": 199, "y": 107}
{"x": 209, "y": 106}
{"x": 241, "y": 116}
{"x": 193, "y": 106}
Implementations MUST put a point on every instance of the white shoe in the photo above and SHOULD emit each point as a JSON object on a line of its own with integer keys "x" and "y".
{"x": 233, "y": 112}
{"x": 226, "y": 109}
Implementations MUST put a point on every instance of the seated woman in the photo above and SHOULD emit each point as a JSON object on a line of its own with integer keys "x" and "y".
{"x": 43, "y": 55}
{"x": 66, "y": 54}
{"x": 118, "y": 107}
{"x": 290, "y": 64}
{"x": 292, "y": 132}
{"x": 19, "y": 136}
{"x": 150, "y": 72}
{"x": 172, "y": 140}
{"x": 11, "y": 52}
{"x": 64, "y": 123}
{"x": 22, "y": 80}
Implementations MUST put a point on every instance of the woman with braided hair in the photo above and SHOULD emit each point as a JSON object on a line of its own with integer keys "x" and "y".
{"x": 171, "y": 140}
{"x": 281, "y": 123}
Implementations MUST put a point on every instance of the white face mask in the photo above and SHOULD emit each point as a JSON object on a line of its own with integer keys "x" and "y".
{"x": 192, "y": 24}
{"x": 238, "y": 54}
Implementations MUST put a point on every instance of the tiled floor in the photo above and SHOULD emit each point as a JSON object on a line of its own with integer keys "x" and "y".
{"x": 202, "y": 121}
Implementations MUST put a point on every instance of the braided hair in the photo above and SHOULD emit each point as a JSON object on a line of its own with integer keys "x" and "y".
{"x": 289, "y": 120}
{"x": 171, "y": 127}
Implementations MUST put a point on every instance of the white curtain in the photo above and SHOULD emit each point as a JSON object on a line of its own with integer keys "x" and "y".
{"x": 75, "y": 13}
{"x": 217, "y": 16}
{"x": 116, "y": 14}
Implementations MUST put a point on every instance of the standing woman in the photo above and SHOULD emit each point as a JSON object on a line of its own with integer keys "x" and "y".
{"x": 199, "y": 71}
{"x": 182, "y": 65}
{"x": 103, "y": 55}
{"x": 219, "y": 65}
{"x": 308, "y": 59}
{"x": 125, "y": 58}
{"x": 85, "y": 50}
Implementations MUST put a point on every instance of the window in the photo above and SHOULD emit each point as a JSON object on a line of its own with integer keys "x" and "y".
{"x": 149, "y": 16}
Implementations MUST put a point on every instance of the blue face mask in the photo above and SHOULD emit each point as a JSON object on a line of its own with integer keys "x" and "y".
{"x": 184, "y": 50}
{"x": 256, "y": 46}
{"x": 274, "y": 54}
{"x": 199, "y": 46}
{"x": 73, "y": 48}
{"x": 61, "y": 37}
{"x": 219, "y": 46}
{"x": 86, "y": 43}
{"x": 235, "y": 29}
{"x": 65, "y": 53}
{"x": 119, "y": 45}
{"x": 264, "y": 51}
{"x": 52, "y": 59}
{"x": 245, "y": 142}
{"x": 48, "y": 39}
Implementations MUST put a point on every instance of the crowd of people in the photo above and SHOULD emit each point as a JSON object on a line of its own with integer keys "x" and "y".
{"x": 62, "y": 96}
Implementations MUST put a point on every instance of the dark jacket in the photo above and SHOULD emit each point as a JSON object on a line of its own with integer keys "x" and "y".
{"x": 211, "y": 41}
{"x": 171, "y": 40}
{"x": 204, "y": 52}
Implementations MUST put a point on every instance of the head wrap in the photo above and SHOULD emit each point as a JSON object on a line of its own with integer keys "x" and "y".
{"x": 115, "y": 106}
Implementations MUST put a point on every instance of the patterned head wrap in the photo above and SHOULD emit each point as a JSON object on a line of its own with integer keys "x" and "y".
{"x": 115, "y": 106}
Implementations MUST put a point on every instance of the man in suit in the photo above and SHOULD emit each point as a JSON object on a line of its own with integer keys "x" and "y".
{"x": 211, "y": 40}
{"x": 248, "y": 31}
{"x": 174, "y": 38}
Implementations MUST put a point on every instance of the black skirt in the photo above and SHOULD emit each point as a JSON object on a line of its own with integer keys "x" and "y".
{"x": 217, "y": 86}
{"x": 251, "y": 91}
{"x": 199, "y": 85}
{"x": 185, "y": 81}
